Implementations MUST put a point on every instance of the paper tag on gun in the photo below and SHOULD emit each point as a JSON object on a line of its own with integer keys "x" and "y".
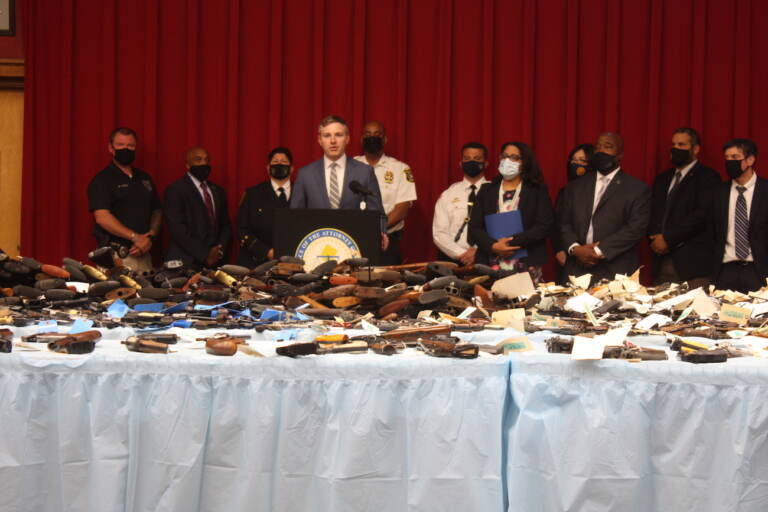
{"x": 516, "y": 344}
{"x": 587, "y": 348}
{"x": 735, "y": 314}
{"x": 514, "y": 318}
{"x": 514, "y": 286}
{"x": 369, "y": 327}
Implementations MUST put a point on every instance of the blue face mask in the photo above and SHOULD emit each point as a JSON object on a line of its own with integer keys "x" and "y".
{"x": 509, "y": 169}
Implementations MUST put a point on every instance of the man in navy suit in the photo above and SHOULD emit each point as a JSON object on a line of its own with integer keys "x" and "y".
{"x": 677, "y": 231}
{"x": 325, "y": 183}
{"x": 197, "y": 216}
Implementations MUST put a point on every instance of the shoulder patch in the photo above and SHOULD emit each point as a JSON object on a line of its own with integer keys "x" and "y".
{"x": 408, "y": 175}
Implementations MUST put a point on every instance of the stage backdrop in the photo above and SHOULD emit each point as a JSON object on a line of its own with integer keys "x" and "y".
{"x": 240, "y": 77}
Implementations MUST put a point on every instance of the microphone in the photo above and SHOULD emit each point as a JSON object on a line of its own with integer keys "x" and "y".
{"x": 358, "y": 188}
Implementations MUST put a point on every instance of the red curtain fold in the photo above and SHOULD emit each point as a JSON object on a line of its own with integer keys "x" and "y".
{"x": 240, "y": 77}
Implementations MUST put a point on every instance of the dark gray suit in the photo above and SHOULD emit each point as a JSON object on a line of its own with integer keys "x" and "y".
{"x": 620, "y": 222}
{"x": 309, "y": 190}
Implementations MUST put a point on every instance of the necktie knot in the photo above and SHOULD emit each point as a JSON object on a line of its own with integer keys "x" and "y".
{"x": 741, "y": 190}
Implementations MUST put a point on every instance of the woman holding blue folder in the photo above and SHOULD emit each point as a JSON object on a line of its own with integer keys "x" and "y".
{"x": 513, "y": 214}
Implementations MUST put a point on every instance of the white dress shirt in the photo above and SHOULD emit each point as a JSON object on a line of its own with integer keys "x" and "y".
{"x": 286, "y": 188}
{"x": 450, "y": 212}
{"x": 683, "y": 173}
{"x": 395, "y": 182}
{"x": 600, "y": 182}
{"x": 200, "y": 190}
{"x": 340, "y": 170}
{"x": 730, "y": 240}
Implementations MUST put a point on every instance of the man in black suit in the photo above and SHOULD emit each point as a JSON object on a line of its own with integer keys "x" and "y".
{"x": 197, "y": 216}
{"x": 604, "y": 215}
{"x": 740, "y": 210}
{"x": 325, "y": 183}
{"x": 677, "y": 231}
{"x": 255, "y": 219}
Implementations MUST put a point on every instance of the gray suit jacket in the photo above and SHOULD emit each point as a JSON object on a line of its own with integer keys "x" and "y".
{"x": 309, "y": 190}
{"x": 620, "y": 222}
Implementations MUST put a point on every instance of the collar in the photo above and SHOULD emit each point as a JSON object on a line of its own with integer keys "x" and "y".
{"x": 610, "y": 176}
{"x": 276, "y": 185}
{"x": 382, "y": 161}
{"x": 120, "y": 171}
{"x": 748, "y": 185}
{"x": 342, "y": 161}
{"x": 196, "y": 181}
{"x": 466, "y": 184}
{"x": 685, "y": 169}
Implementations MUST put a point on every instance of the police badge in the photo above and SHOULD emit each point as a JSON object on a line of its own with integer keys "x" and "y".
{"x": 147, "y": 184}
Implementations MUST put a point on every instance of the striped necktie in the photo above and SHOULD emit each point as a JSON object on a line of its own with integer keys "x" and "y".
{"x": 741, "y": 226}
{"x": 334, "y": 195}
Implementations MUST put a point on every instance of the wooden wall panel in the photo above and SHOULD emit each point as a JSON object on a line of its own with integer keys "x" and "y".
{"x": 11, "y": 143}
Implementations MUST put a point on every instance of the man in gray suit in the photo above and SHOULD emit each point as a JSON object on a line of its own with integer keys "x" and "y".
{"x": 604, "y": 215}
{"x": 325, "y": 183}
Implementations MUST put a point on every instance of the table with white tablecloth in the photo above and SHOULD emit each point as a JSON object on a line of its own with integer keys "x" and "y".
{"x": 189, "y": 431}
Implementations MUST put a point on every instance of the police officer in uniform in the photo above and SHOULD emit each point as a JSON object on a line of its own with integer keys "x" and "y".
{"x": 398, "y": 188}
{"x": 125, "y": 204}
{"x": 454, "y": 208}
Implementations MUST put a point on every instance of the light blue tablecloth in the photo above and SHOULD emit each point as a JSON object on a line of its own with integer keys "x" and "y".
{"x": 654, "y": 436}
{"x": 118, "y": 431}
{"x": 186, "y": 432}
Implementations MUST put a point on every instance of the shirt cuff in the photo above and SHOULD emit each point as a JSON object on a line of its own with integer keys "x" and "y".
{"x": 598, "y": 251}
{"x": 570, "y": 248}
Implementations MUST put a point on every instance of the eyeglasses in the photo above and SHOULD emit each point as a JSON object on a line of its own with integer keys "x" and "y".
{"x": 514, "y": 158}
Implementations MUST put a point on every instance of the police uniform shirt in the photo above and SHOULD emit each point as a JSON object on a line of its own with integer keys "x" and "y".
{"x": 130, "y": 199}
{"x": 395, "y": 182}
{"x": 450, "y": 213}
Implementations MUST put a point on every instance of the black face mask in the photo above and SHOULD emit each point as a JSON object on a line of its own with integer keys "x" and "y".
{"x": 576, "y": 171}
{"x": 200, "y": 172}
{"x": 679, "y": 157}
{"x": 125, "y": 156}
{"x": 279, "y": 171}
{"x": 733, "y": 168}
{"x": 472, "y": 168}
{"x": 373, "y": 145}
{"x": 603, "y": 162}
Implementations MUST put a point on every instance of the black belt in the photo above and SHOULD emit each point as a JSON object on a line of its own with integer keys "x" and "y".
{"x": 741, "y": 263}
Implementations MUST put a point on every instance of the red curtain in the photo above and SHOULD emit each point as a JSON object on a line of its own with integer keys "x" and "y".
{"x": 240, "y": 77}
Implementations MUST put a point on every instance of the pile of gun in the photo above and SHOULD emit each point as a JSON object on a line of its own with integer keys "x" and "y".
{"x": 417, "y": 305}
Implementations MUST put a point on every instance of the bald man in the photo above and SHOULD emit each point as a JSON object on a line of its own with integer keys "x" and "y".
{"x": 398, "y": 188}
{"x": 604, "y": 215}
{"x": 197, "y": 216}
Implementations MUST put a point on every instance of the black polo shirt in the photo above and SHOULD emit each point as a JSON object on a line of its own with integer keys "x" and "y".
{"x": 130, "y": 199}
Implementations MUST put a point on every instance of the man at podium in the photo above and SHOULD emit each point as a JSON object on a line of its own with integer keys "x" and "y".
{"x": 335, "y": 181}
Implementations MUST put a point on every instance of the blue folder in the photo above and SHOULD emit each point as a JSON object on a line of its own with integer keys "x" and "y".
{"x": 500, "y": 225}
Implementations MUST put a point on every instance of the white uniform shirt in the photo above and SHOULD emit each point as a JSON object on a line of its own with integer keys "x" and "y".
{"x": 730, "y": 241}
{"x": 395, "y": 182}
{"x": 450, "y": 212}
